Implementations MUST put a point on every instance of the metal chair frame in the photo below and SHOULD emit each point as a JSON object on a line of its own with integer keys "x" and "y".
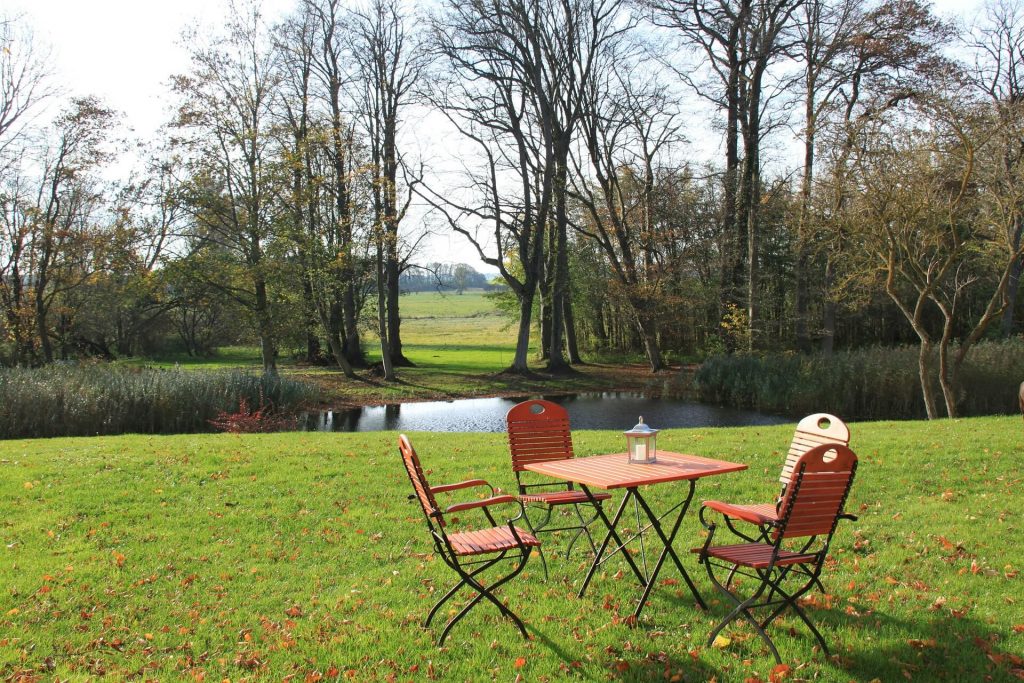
{"x": 455, "y": 549}
{"x": 811, "y": 508}
{"x": 539, "y": 431}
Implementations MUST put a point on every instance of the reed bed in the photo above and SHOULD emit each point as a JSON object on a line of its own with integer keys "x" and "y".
{"x": 92, "y": 399}
{"x": 871, "y": 383}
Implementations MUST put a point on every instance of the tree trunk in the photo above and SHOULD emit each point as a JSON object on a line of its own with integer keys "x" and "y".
{"x": 392, "y": 272}
{"x": 382, "y": 323}
{"x": 545, "y": 289}
{"x": 801, "y": 293}
{"x": 560, "y": 284}
{"x": 828, "y": 321}
{"x": 265, "y": 328}
{"x": 923, "y": 356}
{"x": 650, "y": 339}
{"x": 311, "y": 318}
{"x": 1013, "y": 284}
{"x": 519, "y": 361}
{"x": 42, "y": 330}
{"x": 350, "y": 321}
{"x": 570, "y": 332}
{"x": 947, "y": 380}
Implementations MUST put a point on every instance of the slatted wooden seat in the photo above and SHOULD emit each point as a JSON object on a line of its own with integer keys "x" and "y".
{"x": 808, "y": 515}
{"x": 497, "y": 542}
{"x": 493, "y": 540}
{"x": 813, "y": 430}
{"x": 539, "y": 431}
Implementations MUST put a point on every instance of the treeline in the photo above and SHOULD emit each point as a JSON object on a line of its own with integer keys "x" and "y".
{"x": 292, "y": 188}
{"x": 439, "y": 277}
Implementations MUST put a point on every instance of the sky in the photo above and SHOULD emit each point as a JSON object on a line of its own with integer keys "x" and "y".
{"x": 125, "y": 51}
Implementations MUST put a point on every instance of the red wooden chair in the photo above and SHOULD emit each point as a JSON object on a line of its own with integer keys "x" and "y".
{"x": 538, "y": 431}
{"x": 811, "y": 508}
{"x": 469, "y": 553}
{"x": 812, "y": 431}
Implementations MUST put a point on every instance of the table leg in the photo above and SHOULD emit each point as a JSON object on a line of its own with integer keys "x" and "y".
{"x": 611, "y": 535}
{"x": 667, "y": 550}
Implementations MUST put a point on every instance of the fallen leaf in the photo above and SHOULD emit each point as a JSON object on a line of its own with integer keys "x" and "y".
{"x": 520, "y": 662}
{"x": 721, "y": 642}
{"x": 921, "y": 644}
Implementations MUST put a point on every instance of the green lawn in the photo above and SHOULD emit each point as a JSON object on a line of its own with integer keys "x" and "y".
{"x": 298, "y": 555}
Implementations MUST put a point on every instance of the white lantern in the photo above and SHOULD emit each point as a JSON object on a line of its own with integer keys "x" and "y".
{"x": 641, "y": 443}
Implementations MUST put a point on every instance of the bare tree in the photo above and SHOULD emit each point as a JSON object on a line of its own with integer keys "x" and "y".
{"x": 630, "y": 131}
{"x": 390, "y": 59}
{"x": 517, "y": 74}
{"x": 342, "y": 289}
{"x": 997, "y": 44}
{"x": 892, "y": 56}
{"x": 825, "y": 30}
{"x": 740, "y": 40}
{"x": 226, "y": 107}
{"x": 924, "y": 217}
{"x": 26, "y": 81}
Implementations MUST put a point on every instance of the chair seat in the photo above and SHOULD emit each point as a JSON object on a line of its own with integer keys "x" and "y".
{"x": 491, "y": 540}
{"x": 561, "y": 497}
{"x": 756, "y": 555}
{"x": 759, "y": 513}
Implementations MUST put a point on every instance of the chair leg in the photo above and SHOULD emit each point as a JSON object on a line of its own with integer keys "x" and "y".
{"x": 791, "y": 602}
{"x": 487, "y": 592}
{"x": 454, "y": 589}
{"x": 742, "y": 608}
{"x": 536, "y": 530}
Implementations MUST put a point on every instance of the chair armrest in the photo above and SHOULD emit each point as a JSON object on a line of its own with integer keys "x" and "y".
{"x": 738, "y": 512}
{"x": 493, "y": 500}
{"x": 460, "y": 485}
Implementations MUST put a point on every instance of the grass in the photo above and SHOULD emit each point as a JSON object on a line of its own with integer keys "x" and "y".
{"x": 298, "y": 555}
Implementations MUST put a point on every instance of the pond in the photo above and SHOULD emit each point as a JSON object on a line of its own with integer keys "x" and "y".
{"x": 607, "y": 410}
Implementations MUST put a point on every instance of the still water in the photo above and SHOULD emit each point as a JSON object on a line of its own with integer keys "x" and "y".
{"x": 608, "y": 410}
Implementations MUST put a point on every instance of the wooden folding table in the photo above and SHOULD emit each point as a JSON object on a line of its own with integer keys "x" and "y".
{"x": 614, "y": 471}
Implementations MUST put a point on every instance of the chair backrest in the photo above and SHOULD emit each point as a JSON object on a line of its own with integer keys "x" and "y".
{"x": 419, "y": 482}
{"x": 538, "y": 431}
{"x": 816, "y": 495}
{"x": 812, "y": 431}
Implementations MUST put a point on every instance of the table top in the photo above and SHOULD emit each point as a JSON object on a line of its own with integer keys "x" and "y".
{"x": 614, "y": 471}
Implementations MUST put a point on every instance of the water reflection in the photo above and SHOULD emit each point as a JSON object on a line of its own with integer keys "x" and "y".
{"x": 604, "y": 410}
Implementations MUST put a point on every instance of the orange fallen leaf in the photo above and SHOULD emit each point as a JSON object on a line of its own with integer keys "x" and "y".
{"x": 520, "y": 662}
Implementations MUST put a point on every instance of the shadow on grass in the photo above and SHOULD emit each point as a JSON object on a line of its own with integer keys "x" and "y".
{"x": 874, "y": 646}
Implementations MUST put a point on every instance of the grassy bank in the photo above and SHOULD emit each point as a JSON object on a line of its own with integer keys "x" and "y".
{"x": 460, "y": 345}
{"x": 266, "y": 556}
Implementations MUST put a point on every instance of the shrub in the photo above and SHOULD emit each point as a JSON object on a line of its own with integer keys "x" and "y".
{"x": 89, "y": 399}
{"x": 870, "y": 383}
